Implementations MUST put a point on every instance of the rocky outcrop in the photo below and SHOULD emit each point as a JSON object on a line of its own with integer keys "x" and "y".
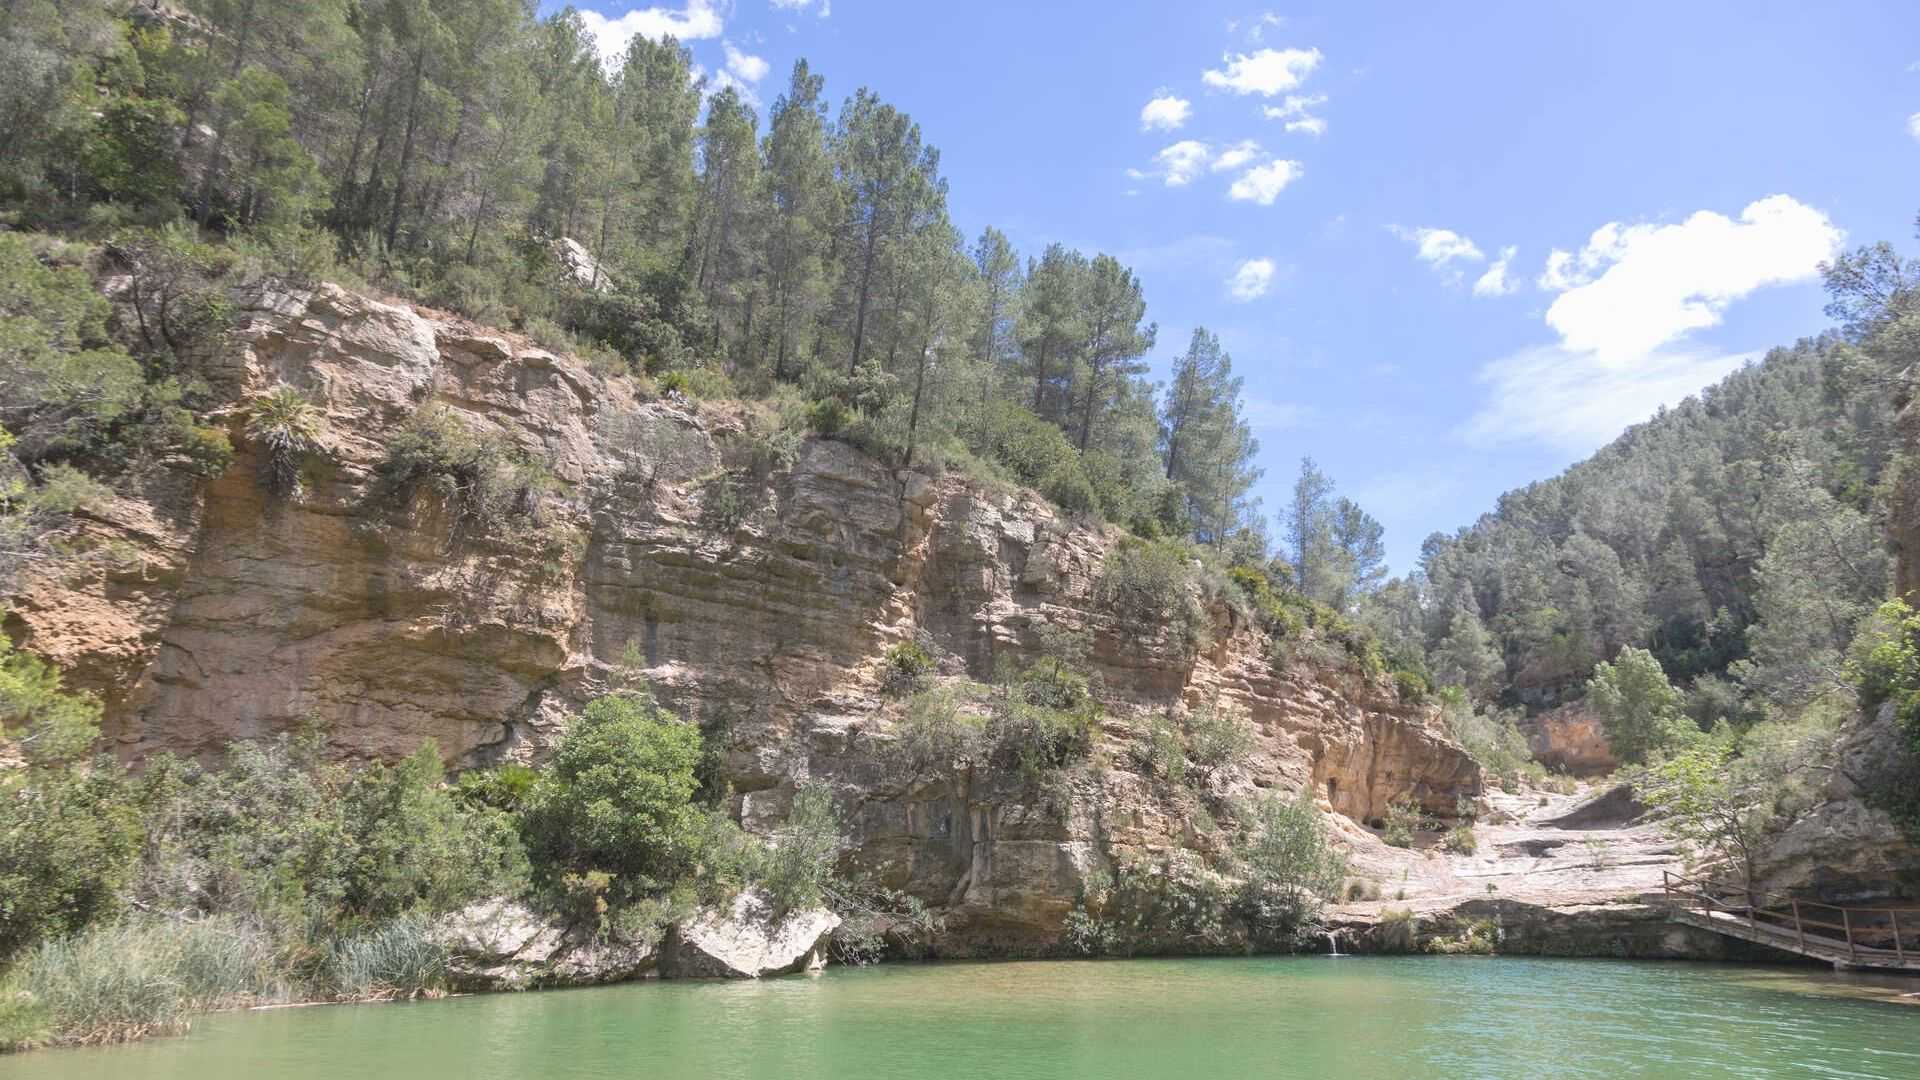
{"x": 238, "y": 615}
{"x": 578, "y": 263}
{"x": 498, "y": 945}
{"x": 748, "y": 941}
{"x": 1847, "y": 850}
{"x": 501, "y": 945}
{"x": 1571, "y": 740}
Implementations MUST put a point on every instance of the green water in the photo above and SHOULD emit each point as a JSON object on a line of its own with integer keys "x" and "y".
{"x": 1356, "y": 1018}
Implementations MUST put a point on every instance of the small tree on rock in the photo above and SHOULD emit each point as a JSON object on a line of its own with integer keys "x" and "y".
{"x": 1639, "y": 707}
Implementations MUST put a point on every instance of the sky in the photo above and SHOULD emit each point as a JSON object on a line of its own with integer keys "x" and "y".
{"x": 1452, "y": 248}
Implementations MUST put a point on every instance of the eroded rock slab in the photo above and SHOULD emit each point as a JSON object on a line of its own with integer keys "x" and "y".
{"x": 746, "y": 942}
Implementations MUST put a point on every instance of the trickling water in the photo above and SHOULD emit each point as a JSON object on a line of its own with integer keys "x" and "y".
{"x": 1333, "y": 943}
{"x": 1277, "y": 1018}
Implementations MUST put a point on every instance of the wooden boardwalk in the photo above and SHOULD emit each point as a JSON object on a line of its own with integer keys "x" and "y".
{"x": 1865, "y": 938}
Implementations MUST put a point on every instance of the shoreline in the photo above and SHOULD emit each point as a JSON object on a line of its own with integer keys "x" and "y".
{"x": 1794, "y": 975}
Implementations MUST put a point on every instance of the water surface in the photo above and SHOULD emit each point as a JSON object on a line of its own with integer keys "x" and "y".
{"x": 1360, "y": 1018}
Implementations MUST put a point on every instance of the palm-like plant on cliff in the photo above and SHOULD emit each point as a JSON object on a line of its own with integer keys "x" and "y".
{"x": 286, "y": 427}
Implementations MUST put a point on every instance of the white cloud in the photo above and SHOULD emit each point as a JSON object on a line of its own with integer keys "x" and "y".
{"x": 1266, "y": 72}
{"x": 1293, "y": 110}
{"x": 1259, "y": 28}
{"x": 700, "y": 19}
{"x": 745, "y": 66}
{"x": 1567, "y": 401}
{"x": 1165, "y": 112}
{"x": 1240, "y": 153}
{"x": 1634, "y": 288}
{"x": 1495, "y": 281}
{"x": 826, "y": 6}
{"x": 1251, "y": 280}
{"x": 1439, "y": 248}
{"x": 1263, "y": 183}
{"x": 1629, "y": 299}
{"x": 1178, "y": 164}
{"x": 1266, "y": 414}
{"x": 1913, "y": 125}
{"x": 722, "y": 80}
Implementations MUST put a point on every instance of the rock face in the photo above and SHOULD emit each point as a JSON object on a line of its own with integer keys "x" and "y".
{"x": 1570, "y": 739}
{"x": 748, "y": 942}
{"x": 240, "y": 615}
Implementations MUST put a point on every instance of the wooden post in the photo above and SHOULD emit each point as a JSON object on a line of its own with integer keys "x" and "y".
{"x": 1799, "y": 930}
{"x": 1846, "y": 923}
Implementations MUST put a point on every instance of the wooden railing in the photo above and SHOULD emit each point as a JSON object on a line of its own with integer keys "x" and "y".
{"x": 1867, "y": 936}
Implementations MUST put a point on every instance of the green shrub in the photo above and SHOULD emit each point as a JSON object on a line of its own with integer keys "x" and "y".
{"x": 1884, "y": 665}
{"x": 1491, "y": 738}
{"x": 412, "y": 847}
{"x": 1397, "y": 932}
{"x": 726, "y": 502}
{"x": 1152, "y": 585}
{"x": 481, "y": 478}
{"x": 70, "y": 837}
{"x": 502, "y": 787}
{"x": 1082, "y": 934}
{"x": 618, "y": 798}
{"x": 278, "y": 833}
{"x": 905, "y": 669}
{"x": 62, "y": 379}
{"x": 1402, "y": 821}
{"x": 1219, "y": 736}
{"x": 1639, "y": 708}
{"x": 1477, "y": 938}
{"x": 1411, "y": 686}
{"x": 829, "y": 416}
{"x": 1163, "y": 752}
{"x": 937, "y": 730}
{"x": 1290, "y": 866}
{"x": 1067, "y": 487}
{"x": 1460, "y": 839}
{"x": 799, "y": 866}
{"x": 673, "y": 382}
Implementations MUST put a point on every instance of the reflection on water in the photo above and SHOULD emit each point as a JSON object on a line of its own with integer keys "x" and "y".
{"x": 1354, "y": 1017}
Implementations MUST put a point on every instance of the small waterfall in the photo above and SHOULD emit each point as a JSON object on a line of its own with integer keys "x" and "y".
{"x": 1333, "y": 943}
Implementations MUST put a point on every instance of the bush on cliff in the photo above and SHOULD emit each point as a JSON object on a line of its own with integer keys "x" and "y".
{"x": 618, "y": 798}
{"x": 1154, "y": 584}
{"x": 481, "y": 478}
{"x": 1290, "y": 866}
{"x": 798, "y": 869}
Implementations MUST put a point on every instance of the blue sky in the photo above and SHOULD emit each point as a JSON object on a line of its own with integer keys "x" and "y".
{"x": 1334, "y": 188}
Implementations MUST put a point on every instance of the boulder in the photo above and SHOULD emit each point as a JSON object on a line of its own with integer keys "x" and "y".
{"x": 503, "y": 945}
{"x": 577, "y": 261}
{"x": 744, "y": 941}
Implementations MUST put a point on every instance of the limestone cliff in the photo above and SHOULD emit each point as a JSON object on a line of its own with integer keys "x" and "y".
{"x": 238, "y": 615}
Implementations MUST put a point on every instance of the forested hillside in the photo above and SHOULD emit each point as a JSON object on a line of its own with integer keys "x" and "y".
{"x": 1739, "y": 537}
{"x": 439, "y": 150}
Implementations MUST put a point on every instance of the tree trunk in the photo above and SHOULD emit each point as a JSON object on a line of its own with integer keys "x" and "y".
{"x": 860, "y": 313}
{"x": 406, "y": 147}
